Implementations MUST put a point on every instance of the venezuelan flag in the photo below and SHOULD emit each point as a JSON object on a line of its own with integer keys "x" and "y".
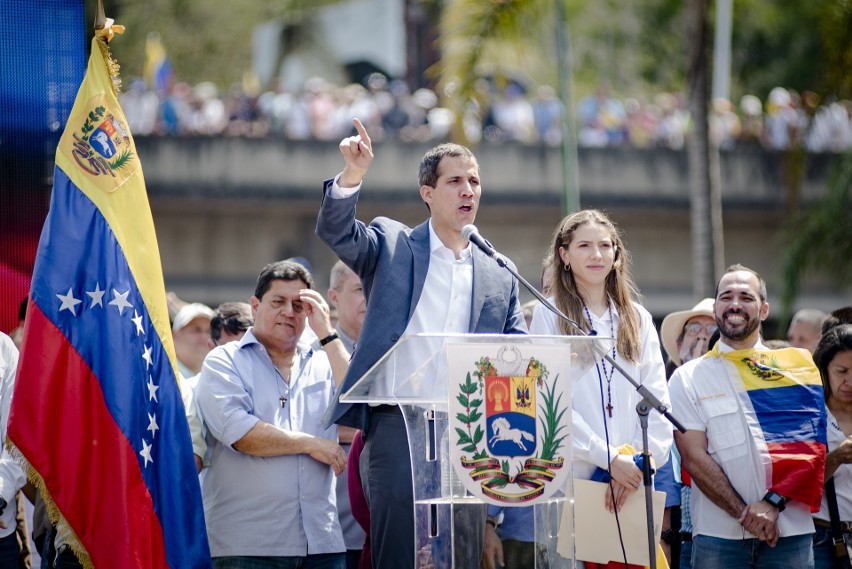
{"x": 97, "y": 416}
{"x": 782, "y": 397}
{"x": 158, "y": 69}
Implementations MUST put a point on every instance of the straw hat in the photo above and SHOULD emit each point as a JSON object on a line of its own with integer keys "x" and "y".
{"x": 673, "y": 325}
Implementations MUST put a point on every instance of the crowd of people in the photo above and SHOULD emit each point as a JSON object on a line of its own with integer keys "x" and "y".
{"x": 292, "y": 476}
{"x": 321, "y": 110}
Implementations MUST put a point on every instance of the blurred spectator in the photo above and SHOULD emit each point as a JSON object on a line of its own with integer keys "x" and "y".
{"x": 751, "y": 111}
{"x": 725, "y": 126}
{"x": 513, "y": 114}
{"x": 603, "y": 121}
{"x": 140, "y": 107}
{"x": 547, "y": 112}
{"x": 674, "y": 120}
{"x": 782, "y": 120}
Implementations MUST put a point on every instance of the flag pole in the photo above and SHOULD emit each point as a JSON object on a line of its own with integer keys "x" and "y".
{"x": 100, "y": 16}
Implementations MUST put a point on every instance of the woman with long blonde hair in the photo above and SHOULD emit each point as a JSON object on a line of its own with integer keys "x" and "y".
{"x": 593, "y": 286}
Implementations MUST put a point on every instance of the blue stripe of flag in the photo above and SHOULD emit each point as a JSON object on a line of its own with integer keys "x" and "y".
{"x": 790, "y": 413}
{"x": 78, "y": 250}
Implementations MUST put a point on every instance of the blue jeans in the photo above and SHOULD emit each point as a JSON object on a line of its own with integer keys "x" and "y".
{"x": 715, "y": 553}
{"x": 9, "y": 550}
{"x": 318, "y": 561}
{"x": 686, "y": 554}
{"x": 823, "y": 548}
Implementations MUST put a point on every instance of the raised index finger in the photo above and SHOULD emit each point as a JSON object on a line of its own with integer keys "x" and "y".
{"x": 362, "y": 132}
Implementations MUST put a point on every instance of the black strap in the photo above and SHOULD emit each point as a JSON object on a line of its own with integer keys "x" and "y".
{"x": 834, "y": 515}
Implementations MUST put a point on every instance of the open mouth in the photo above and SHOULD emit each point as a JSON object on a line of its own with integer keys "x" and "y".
{"x": 735, "y": 319}
{"x": 466, "y": 208}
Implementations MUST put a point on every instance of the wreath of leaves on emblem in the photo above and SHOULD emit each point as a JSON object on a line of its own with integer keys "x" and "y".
{"x": 94, "y": 116}
{"x": 122, "y": 160}
{"x": 468, "y": 436}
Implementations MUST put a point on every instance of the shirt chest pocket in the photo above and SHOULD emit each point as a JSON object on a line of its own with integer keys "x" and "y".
{"x": 315, "y": 399}
{"x": 726, "y": 435}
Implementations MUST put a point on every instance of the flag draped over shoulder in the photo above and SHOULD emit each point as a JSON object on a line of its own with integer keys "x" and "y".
{"x": 782, "y": 396}
{"x": 97, "y": 416}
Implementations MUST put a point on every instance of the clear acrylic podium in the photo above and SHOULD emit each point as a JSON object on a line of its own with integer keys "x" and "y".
{"x": 429, "y": 376}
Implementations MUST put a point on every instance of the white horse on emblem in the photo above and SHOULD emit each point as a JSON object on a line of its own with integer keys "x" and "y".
{"x": 103, "y": 141}
{"x": 503, "y": 431}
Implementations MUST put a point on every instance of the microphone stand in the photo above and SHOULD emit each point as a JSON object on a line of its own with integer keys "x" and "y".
{"x": 643, "y": 408}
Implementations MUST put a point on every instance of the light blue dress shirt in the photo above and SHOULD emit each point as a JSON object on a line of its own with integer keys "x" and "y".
{"x": 272, "y": 506}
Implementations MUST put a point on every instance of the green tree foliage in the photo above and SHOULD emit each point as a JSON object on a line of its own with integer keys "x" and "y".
{"x": 820, "y": 239}
{"x": 204, "y": 40}
{"x": 773, "y": 43}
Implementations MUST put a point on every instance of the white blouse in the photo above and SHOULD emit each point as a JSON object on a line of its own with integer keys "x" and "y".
{"x": 842, "y": 476}
{"x": 590, "y": 443}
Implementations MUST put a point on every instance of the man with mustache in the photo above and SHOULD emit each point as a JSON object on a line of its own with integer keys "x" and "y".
{"x": 755, "y": 479}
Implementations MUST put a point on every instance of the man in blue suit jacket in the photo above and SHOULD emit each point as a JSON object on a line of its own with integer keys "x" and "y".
{"x": 426, "y": 279}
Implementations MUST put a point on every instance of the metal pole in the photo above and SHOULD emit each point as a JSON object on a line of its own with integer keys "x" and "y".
{"x": 722, "y": 50}
{"x": 570, "y": 174}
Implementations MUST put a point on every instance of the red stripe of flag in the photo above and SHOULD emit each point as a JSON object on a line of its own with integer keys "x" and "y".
{"x": 95, "y": 480}
{"x": 793, "y": 472}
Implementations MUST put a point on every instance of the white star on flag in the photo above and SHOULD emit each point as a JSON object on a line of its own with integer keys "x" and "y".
{"x": 152, "y": 425}
{"x": 120, "y": 300}
{"x": 152, "y": 389}
{"x": 97, "y": 296}
{"x": 147, "y": 357}
{"x": 69, "y": 302}
{"x": 137, "y": 319}
{"x": 146, "y": 452}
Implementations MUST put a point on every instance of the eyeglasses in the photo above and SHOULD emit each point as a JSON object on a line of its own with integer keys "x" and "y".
{"x": 696, "y": 327}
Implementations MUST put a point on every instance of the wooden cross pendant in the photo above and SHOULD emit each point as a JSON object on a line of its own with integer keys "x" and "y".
{"x": 609, "y": 408}
{"x": 283, "y": 401}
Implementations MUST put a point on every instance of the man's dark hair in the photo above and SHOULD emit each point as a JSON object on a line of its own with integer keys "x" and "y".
{"x": 761, "y": 284}
{"x": 281, "y": 271}
{"x": 836, "y": 318}
{"x": 232, "y": 317}
{"x": 22, "y": 309}
{"x": 429, "y": 162}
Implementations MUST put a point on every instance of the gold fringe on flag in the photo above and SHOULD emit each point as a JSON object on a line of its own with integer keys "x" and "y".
{"x": 104, "y": 35}
{"x": 56, "y": 518}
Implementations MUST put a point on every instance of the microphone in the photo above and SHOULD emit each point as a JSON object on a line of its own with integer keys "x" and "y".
{"x": 471, "y": 233}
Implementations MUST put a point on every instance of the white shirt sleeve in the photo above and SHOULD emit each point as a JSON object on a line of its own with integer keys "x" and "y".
{"x": 336, "y": 192}
{"x": 11, "y": 474}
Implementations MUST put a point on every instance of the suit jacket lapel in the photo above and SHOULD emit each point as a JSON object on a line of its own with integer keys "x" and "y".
{"x": 419, "y": 242}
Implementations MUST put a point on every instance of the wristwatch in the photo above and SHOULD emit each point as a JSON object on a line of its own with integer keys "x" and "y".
{"x": 669, "y": 536}
{"x": 776, "y": 500}
{"x": 328, "y": 339}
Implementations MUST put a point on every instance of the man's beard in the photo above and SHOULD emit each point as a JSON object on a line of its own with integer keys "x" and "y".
{"x": 737, "y": 332}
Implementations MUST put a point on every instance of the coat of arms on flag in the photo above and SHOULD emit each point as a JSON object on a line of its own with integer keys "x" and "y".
{"x": 510, "y": 421}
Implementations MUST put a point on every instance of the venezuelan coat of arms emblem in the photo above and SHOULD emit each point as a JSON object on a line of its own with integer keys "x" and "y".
{"x": 510, "y": 421}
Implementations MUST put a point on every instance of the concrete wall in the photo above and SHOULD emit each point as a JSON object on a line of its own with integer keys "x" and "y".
{"x": 224, "y": 207}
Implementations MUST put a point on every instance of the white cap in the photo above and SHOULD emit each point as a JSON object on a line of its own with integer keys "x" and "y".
{"x": 189, "y": 313}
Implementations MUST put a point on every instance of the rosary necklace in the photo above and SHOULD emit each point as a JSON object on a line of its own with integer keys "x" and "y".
{"x": 601, "y": 365}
